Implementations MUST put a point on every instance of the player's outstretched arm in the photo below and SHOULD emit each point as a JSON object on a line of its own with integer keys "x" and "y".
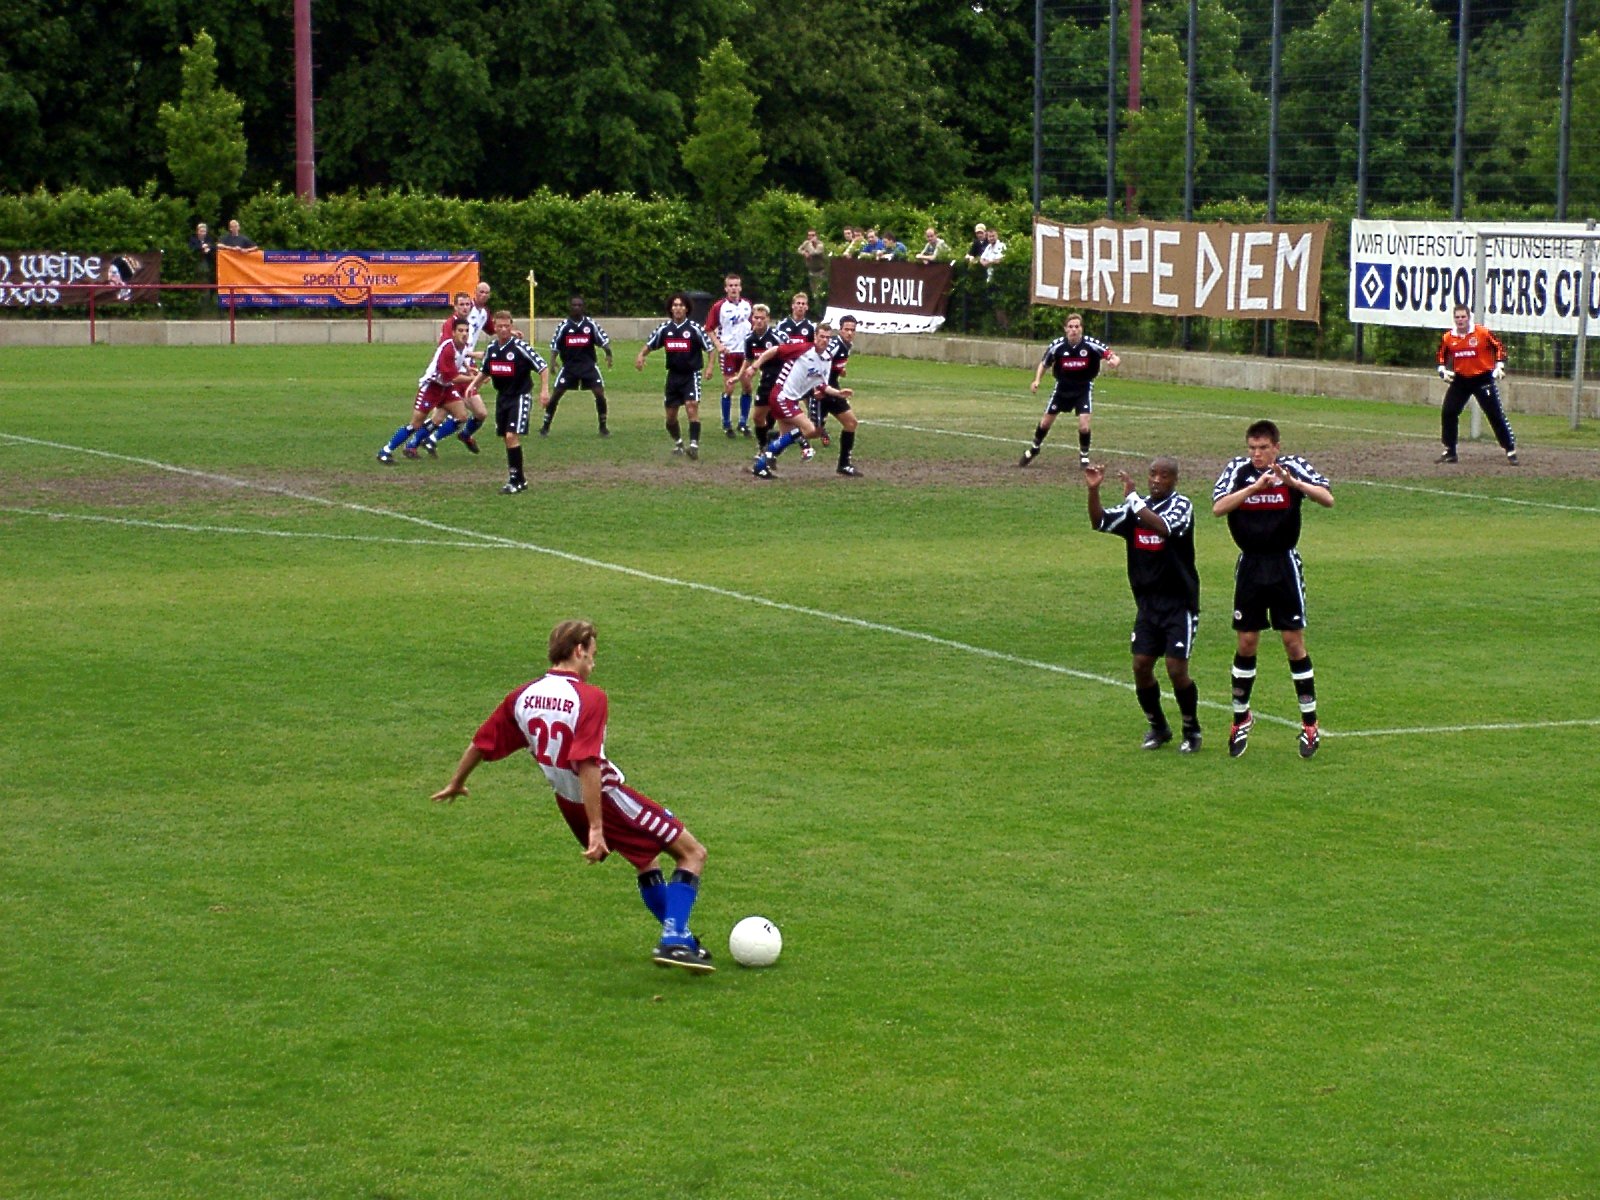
{"x": 470, "y": 758}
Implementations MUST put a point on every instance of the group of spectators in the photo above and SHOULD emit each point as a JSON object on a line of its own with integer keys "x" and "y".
{"x": 986, "y": 247}
{"x": 203, "y": 244}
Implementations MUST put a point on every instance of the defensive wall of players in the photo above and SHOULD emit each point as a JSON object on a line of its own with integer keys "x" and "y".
{"x": 1294, "y": 377}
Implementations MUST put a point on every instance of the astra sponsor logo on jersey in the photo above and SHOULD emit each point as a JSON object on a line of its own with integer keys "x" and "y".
{"x": 548, "y": 703}
{"x": 576, "y": 339}
{"x": 1147, "y": 539}
{"x": 1277, "y": 497}
{"x": 1075, "y": 360}
{"x": 678, "y": 345}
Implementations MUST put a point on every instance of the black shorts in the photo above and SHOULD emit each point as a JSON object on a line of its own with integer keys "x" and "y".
{"x": 1077, "y": 399}
{"x": 824, "y": 405}
{"x": 1165, "y": 627}
{"x": 682, "y": 387}
{"x": 1269, "y": 591}
{"x": 580, "y": 375}
{"x": 511, "y": 413}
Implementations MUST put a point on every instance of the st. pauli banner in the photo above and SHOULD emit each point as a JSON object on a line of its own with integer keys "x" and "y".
{"x": 341, "y": 278}
{"x": 888, "y": 297}
{"x": 1181, "y": 269}
{"x": 1413, "y": 274}
{"x": 42, "y": 278}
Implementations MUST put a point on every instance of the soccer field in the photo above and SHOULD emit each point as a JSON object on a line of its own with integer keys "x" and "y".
{"x": 245, "y": 956}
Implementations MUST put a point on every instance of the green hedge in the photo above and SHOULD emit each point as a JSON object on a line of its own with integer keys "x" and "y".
{"x": 627, "y": 254}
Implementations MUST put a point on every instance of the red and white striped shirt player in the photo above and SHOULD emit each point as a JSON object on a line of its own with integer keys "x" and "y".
{"x": 560, "y": 719}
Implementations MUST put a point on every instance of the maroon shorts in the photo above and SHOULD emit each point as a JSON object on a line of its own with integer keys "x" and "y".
{"x": 785, "y": 408}
{"x": 431, "y": 395}
{"x": 732, "y": 364}
{"x": 635, "y": 826}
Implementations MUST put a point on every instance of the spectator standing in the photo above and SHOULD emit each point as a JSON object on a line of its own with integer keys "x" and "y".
{"x": 202, "y": 243}
{"x": 979, "y": 241}
{"x": 934, "y": 247}
{"x": 993, "y": 251}
{"x": 815, "y": 256}
{"x": 234, "y": 239}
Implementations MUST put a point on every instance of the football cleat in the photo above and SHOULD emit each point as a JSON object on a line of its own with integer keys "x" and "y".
{"x": 1449, "y": 456}
{"x": 544, "y": 430}
{"x": 1155, "y": 738}
{"x": 727, "y": 431}
{"x": 744, "y": 431}
{"x": 604, "y": 432}
{"x": 677, "y": 447}
{"x": 1511, "y": 457}
{"x": 386, "y": 458}
{"x": 849, "y": 469}
{"x": 762, "y": 469}
{"x": 513, "y": 486}
{"x": 1028, "y": 455}
{"x": 1239, "y": 735}
{"x": 1083, "y": 458}
{"x": 467, "y": 440}
{"x": 826, "y": 440}
{"x": 409, "y": 451}
{"x": 1310, "y": 739}
{"x": 694, "y": 450}
{"x": 1190, "y": 743}
{"x": 690, "y": 958}
{"x": 807, "y": 453}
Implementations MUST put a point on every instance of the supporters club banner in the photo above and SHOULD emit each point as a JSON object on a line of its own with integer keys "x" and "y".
{"x": 341, "y": 279}
{"x": 43, "y": 278}
{"x": 888, "y": 297}
{"x": 1413, "y": 274}
{"x": 1181, "y": 269}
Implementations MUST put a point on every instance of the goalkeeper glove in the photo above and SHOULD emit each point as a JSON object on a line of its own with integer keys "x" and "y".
{"x": 1445, "y": 373}
{"x": 1499, "y": 370}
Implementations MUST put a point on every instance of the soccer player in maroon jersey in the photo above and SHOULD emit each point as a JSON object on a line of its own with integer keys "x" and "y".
{"x": 440, "y": 387}
{"x": 1261, "y": 493}
{"x": 560, "y": 719}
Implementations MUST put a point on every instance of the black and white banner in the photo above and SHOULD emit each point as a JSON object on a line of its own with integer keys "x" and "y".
{"x": 1413, "y": 273}
{"x": 47, "y": 278}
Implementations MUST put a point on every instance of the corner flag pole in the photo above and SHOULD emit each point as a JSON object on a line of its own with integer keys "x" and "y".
{"x": 533, "y": 309}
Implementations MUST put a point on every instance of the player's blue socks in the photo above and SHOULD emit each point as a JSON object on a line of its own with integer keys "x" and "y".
{"x": 781, "y": 443}
{"x": 400, "y": 435}
{"x": 473, "y": 425}
{"x": 680, "y": 896}
{"x": 653, "y": 891}
{"x": 727, "y": 409}
{"x": 744, "y": 409}
{"x": 450, "y": 426}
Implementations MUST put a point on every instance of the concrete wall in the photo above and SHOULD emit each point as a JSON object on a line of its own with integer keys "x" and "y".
{"x": 1295, "y": 377}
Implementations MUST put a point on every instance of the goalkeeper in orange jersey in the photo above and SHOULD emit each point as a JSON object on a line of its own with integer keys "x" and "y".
{"x": 1472, "y": 361}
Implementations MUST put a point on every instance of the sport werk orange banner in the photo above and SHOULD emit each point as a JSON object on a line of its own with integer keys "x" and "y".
{"x": 337, "y": 279}
{"x": 1181, "y": 269}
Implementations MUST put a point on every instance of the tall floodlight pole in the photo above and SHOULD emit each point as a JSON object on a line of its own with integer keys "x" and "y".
{"x": 1272, "y": 128}
{"x": 1458, "y": 187}
{"x": 1038, "y": 98}
{"x": 305, "y": 154}
{"x": 1135, "y": 61}
{"x": 1111, "y": 110}
{"x": 1564, "y": 133}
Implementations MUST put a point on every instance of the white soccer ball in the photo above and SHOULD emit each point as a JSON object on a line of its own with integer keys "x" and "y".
{"x": 755, "y": 942}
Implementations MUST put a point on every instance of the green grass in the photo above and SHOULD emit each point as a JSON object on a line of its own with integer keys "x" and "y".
{"x": 244, "y": 956}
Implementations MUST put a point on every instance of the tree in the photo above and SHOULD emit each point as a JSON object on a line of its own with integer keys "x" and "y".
{"x": 1411, "y": 102}
{"x": 1151, "y": 154}
{"x": 204, "y": 132}
{"x": 723, "y": 155}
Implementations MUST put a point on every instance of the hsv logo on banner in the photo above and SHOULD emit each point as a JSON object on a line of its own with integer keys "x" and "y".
{"x": 1181, "y": 269}
{"x": 1412, "y": 274}
{"x": 888, "y": 297}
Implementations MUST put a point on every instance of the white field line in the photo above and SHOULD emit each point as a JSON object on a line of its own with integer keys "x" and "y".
{"x": 1068, "y": 447}
{"x": 495, "y": 541}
